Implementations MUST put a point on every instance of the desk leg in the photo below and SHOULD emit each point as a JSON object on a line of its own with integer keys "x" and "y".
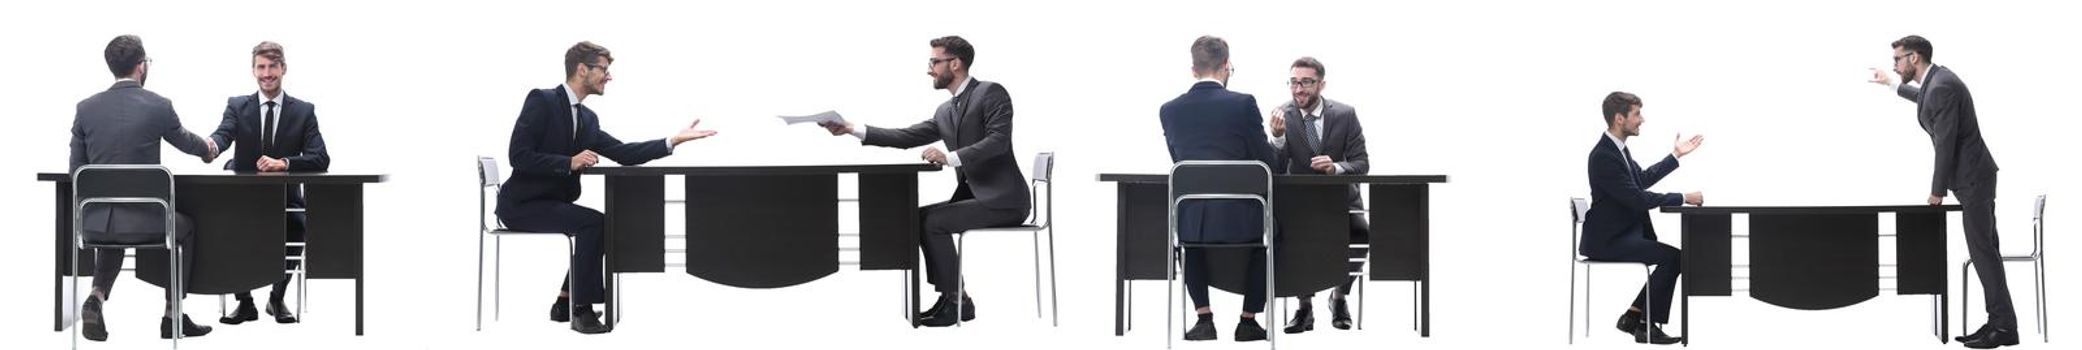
{"x": 357, "y": 306}
{"x": 1685, "y": 316}
{"x": 912, "y": 275}
{"x": 1944, "y": 316}
{"x": 65, "y": 255}
{"x": 1426, "y": 284}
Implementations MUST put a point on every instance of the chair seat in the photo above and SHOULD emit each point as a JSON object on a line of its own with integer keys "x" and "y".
{"x": 1020, "y": 228}
{"x": 513, "y": 232}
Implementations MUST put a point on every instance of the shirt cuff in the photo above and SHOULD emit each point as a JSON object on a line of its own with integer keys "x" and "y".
{"x": 668, "y": 145}
{"x": 1337, "y": 169}
{"x": 860, "y": 133}
{"x": 953, "y": 159}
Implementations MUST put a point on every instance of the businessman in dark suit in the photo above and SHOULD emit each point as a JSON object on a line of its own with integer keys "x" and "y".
{"x": 1209, "y": 122}
{"x": 1617, "y": 227}
{"x": 124, "y": 125}
{"x": 553, "y": 140}
{"x": 989, "y": 192}
{"x": 1332, "y": 144}
{"x": 1963, "y": 167}
{"x": 272, "y": 132}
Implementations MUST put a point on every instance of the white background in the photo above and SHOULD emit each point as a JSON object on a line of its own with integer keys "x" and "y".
{"x": 1502, "y": 96}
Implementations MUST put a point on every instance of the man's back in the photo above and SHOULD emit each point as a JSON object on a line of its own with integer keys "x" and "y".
{"x": 124, "y": 125}
{"x": 1213, "y": 123}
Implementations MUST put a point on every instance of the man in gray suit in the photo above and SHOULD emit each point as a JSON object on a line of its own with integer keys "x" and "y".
{"x": 124, "y": 126}
{"x": 1964, "y": 167}
{"x": 1332, "y": 143}
{"x": 977, "y": 125}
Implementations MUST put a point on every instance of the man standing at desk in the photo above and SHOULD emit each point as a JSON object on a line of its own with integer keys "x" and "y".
{"x": 272, "y": 132}
{"x": 1965, "y": 167}
{"x": 554, "y": 138}
{"x": 124, "y": 126}
{"x": 990, "y": 192}
{"x": 1209, "y": 122}
{"x": 1617, "y": 227}
{"x": 1333, "y": 144}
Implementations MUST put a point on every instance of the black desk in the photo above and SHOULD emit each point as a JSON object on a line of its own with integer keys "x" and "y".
{"x": 1312, "y": 215}
{"x": 241, "y": 212}
{"x": 762, "y": 226}
{"x": 1815, "y": 257}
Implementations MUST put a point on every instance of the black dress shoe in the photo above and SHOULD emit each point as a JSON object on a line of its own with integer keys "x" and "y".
{"x": 280, "y": 312}
{"x": 1654, "y": 335}
{"x": 588, "y": 322}
{"x": 1339, "y": 316}
{"x": 1977, "y": 334}
{"x": 1304, "y": 320}
{"x": 188, "y": 328}
{"x": 1202, "y": 330}
{"x": 944, "y": 315}
{"x": 244, "y": 312}
{"x": 1248, "y": 330}
{"x": 560, "y": 311}
{"x": 1995, "y": 338}
{"x": 91, "y": 326}
{"x": 1630, "y": 322}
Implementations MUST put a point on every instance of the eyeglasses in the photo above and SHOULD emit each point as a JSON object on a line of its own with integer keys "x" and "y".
{"x": 1898, "y": 58}
{"x": 934, "y": 62}
{"x": 602, "y": 68}
{"x": 1303, "y": 82}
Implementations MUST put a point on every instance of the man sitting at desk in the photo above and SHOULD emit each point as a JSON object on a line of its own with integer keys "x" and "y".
{"x": 1332, "y": 143}
{"x": 272, "y": 132}
{"x": 124, "y": 125}
{"x": 1209, "y": 122}
{"x": 1617, "y": 227}
{"x": 554, "y": 138}
{"x": 976, "y": 126}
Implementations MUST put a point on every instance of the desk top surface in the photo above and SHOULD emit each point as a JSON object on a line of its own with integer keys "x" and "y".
{"x": 237, "y": 178}
{"x": 1310, "y": 179}
{"x": 760, "y": 169}
{"x": 1794, "y": 209}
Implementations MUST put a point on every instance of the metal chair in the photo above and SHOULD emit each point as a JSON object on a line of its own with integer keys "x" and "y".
{"x": 488, "y": 180}
{"x": 1578, "y": 207}
{"x": 134, "y": 186}
{"x": 2037, "y": 258}
{"x": 1041, "y": 219}
{"x": 1211, "y": 180}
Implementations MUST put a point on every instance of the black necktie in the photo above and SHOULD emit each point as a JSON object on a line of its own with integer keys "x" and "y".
{"x": 575, "y": 108}
{"x": 267, "y": 131}
{"x": 958, "y": 113}
{"x": 1631, "y": 172}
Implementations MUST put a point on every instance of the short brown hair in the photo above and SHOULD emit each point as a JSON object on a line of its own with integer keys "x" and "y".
{"x": 1209, "y": 53}
{"x": 271, "y": 51}
{"x": 583, "y": 53}
{"x": 123, "y": 54}
{"x": 960, "y": 48}
{"x": 1619, "y": 102}
{"x": 1310, "y": 63}
{"x": 1916, "y": 44}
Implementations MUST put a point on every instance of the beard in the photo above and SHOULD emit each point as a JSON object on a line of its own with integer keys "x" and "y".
{"x": 943, "y": 81}
{"x": 1307, "y": 102}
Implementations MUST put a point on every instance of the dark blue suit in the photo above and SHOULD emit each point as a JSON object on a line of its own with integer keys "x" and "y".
{"x": 296, "y": 140}
{"x": 1210, "y": 122}
{"x": 1617, "y": 227}
{"x": 541, "y": 193}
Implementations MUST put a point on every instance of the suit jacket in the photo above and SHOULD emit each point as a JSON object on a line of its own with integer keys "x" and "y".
{"x": 542, "y": 145}
{"x": 296, "y": 134}
{"x": 1343, "y": 140}
{"x": 1946, "y": 110}
{"x": 1620, "y": 200}
{"x": 980, "y": 133}
{"x": 124, "y": 125}
{"x": 1210, "y": 122}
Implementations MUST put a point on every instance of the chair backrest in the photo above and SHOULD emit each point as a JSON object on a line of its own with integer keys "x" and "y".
{"x": 1044, "y": 170}
{"x": 2038, "y": 226}
{"x": 1578, "y": 207}
{"x": 487, "y": 171}
{"x": 1226, "y": 177}
{"x": 487, "y": 178}
{"x": 131, "y": 190}
{"x": 1220, "y": 180}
